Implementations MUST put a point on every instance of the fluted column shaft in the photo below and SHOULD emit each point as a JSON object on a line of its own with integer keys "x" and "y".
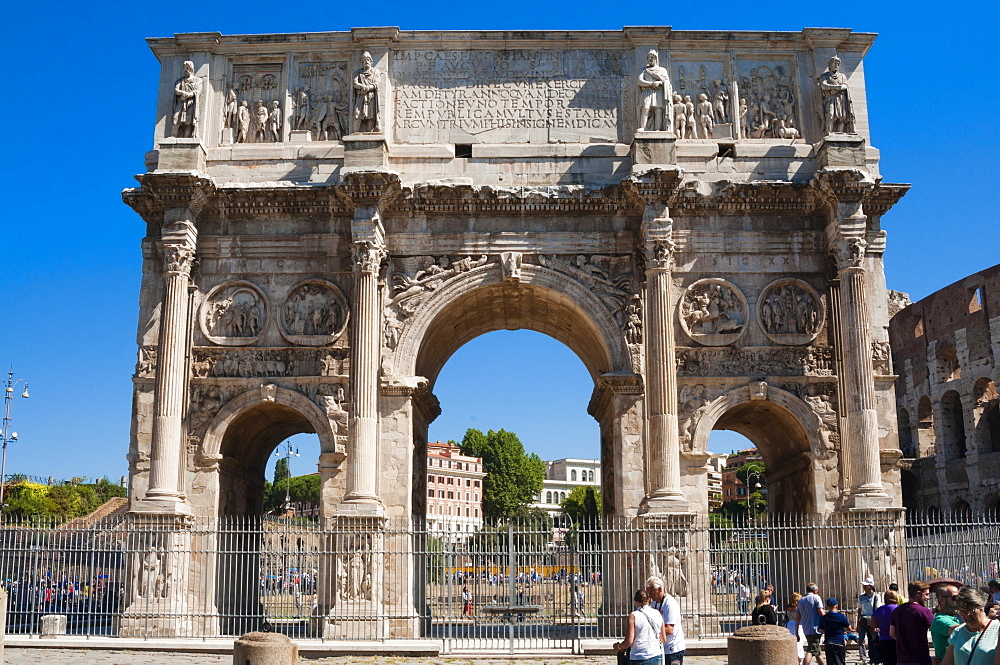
{"x": 179, "y": 240}
{"x": 366, "y": 313}
{"x": 861, "y": 413}
{"x": 663, "y": 444}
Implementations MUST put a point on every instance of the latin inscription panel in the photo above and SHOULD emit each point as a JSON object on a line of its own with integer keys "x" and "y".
{"x": 511, "y": 96}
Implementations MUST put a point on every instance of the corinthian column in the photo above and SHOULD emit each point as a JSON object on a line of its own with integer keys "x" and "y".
{"x": 178, "y": 242}
{"x": 366, "y": 318}
{"x": 662, "y": 443}
{"x": 855, "y": 339}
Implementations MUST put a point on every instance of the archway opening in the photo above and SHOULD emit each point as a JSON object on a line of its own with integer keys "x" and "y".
{"x": 926, "y": 437}
{"x": 247, "y": 450}
{"x": 953, "y": 425}
{"x": 531, "y": 385}
{"x": 783, "y": 446}
{"x": 987, "y": 415}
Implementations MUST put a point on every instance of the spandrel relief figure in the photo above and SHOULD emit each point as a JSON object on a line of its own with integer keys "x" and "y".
{"x": 273, "y": 134}
{"x": 299, "y": 115}
{"x": 746, "y": 119}
{"x": 187, "y": 103}
{"x": 366, "y": 105}
{"x": 692, "y": 119}
{"x": 231, "y": 111}
{"x": 260, "y": 122}
{"x": 838, "y": 112}
{"x": 243, "y": 123}
{"x": 680, "y": 116}
{"x": 654, "y": 95}
{"x": 334, "y": 125}
{"x": 705, "y": 115}
{"x": 720, "y": 102}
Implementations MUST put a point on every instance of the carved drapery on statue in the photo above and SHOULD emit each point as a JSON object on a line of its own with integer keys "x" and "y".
{"x": 366, "y": 103}
{"x": 187, "y": 103}
{"x": 838, "y": 112}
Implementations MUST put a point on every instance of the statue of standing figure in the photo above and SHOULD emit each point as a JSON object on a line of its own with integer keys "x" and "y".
{"x": 366, "y": 98}
{"x": 655, "y": 95}
{"x": 838, "y": 113}
{"x": 187, "y": 102}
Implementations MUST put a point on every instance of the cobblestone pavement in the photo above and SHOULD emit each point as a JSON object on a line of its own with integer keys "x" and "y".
{"x": 49, "y": 656}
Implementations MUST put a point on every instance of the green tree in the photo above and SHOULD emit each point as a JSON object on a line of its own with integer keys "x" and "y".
{"x": 513, "y": 477}
{"x": 583, "y": 504}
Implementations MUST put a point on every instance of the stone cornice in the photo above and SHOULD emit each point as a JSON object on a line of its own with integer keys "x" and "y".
{"x": 842, "y": 185}
{"x": 609, "y": 385}
{"x": 655, "y": 186}
{"x": 370, "y": 188}
{"x": 882, "y": 197}
{"x": 161, "y": 192}
{"x": 737, "y": 198}
{"x": 308, "y": 201}
{"x": 434, "y": 199}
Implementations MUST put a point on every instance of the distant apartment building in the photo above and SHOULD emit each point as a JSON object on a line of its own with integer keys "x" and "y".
{"x": 734, "y": 489}
{"x": 561, "y": 476}
{"x": 716, "y": 467}
{"x": 454, "y": 489}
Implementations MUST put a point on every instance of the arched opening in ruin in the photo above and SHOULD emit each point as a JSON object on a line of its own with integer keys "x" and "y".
{"x": 987, "y": 412}
{"x": 953, "y": 425}
{"x": 785, "y": 431}
{"x": 905, "y": 433}
{"x": 910, "y": 488}
{"x": 926, "y": 436}
{"x": 265, "y": 563}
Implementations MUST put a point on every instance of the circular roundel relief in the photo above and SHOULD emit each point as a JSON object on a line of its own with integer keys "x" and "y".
{"x": 314, "y": 313}
{"x": 713, "y": 312}
{"x": 790, "y": 311}
{"x": 234, "y": 314}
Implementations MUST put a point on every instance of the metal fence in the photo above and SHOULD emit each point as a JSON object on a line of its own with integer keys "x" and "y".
{"x": 512, "y": 587}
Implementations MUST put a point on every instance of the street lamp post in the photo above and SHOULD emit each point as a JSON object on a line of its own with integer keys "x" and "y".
{"x": 8, "y": 436}
{"x": 755, "y": 487}
{"x": 290, "y": 452}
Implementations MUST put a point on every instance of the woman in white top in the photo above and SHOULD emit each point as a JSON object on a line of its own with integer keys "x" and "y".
{"x": 644, "y": 634}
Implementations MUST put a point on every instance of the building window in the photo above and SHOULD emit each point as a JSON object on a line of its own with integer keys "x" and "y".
{"x": 572, "y": 475}
{"x": 466, "y": 512}
{"x": 590, "y": 476}
{"x": 451, "y": 495}
{"x": 475, "y": 483}
{"x": 440, "y": 494}
{"x": 475, "y": 512}
{"x": 467, "y": 495}
{"x": 451, "y": 480}
{"x": 548, "y": 497}
{"x": 468, "y": 483}
{"x": 430, "y": 493}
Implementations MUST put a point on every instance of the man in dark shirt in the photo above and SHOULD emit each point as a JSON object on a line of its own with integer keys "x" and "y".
{"x": 909, "y": 625}
{"x": 834, "y": 626}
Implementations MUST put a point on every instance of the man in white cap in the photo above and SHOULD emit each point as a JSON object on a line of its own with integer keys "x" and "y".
{"x": 868, "y": 600}
{"x": 666, "y": 605}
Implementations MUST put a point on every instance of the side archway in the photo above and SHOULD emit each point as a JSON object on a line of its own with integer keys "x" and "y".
{"x": 246, "y": 430}
{"x": 787, "y": 434}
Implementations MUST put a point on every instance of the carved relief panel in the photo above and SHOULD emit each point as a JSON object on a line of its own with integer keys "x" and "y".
{"x": 314, "y": 313}
{"x": 234, "y": 314}
{"x": 790, "y": 311}
{"x": 321, "y": 100}
{"x": 253, "y": 111}
{"x": 713, "y": 312}
{"x": 702, "y": 100}
{"x": 768, "y": 106}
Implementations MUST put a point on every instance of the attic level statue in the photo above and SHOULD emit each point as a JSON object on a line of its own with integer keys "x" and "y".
{"x": 838, "y": 112}
{"x": 669, "y": 204}
{"x": 366, "y": 111}
{"x": 187, "y": 103}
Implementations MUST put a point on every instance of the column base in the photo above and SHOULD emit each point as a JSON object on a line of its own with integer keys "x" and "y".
{"x": 365, "y": 151}
{"x": 180, "y": 155}
{"x": 360, "y": 507}
{"x": 651, "y": 149}
{"x": 666, "y": 505}
{"x": 868, "y": 501}
{"x": 158, "y": 617}
{"x": 161, "y": 505}
{"x": 841, "y": 151}
{"x": 352, "y": 621}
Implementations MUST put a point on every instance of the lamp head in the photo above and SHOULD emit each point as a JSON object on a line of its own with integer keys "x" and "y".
{"x": 13, "y": 436}
{"x": 25, "y": 394}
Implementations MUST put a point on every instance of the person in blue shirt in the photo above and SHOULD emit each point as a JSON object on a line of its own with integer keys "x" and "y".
{"x": 834, "y": 625}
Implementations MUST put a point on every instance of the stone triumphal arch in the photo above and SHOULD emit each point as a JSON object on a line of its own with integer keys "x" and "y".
{"x": 697, "y": 215}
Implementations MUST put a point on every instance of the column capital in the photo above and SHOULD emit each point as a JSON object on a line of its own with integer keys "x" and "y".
{"x": 658, "y": 244}
{"x": 849, "y": 252}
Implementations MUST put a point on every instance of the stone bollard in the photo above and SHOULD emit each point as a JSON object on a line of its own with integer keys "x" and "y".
{"x": 265, "y": 649}
{"x": 53, "y": 626}
{"x": 762, "y": 645}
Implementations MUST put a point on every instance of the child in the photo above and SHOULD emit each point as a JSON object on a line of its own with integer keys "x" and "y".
{"x": 835, "y": 626}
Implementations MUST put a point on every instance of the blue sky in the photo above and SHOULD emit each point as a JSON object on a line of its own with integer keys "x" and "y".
{"x": 80, "y": 112}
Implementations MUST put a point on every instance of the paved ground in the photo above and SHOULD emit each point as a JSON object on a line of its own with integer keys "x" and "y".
{"x": 49, "y": 656}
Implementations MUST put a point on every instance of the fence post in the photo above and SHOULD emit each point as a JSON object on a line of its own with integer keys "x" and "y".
{"x": 3, "y": 620}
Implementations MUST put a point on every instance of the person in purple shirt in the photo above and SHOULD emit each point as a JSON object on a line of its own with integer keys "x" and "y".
{"x": 909, "y": 624}
{"x": 881, "y": 619}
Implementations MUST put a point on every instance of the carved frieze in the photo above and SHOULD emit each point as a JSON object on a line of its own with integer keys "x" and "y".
{"x": 145, "y": 366}
{"x": 822, "y": 399}
{"x": 414, "y": 277}
{"x": 881, "y": 358}
{"x": 204, "y": 405}
{"x": 768, "y": 107}
{"x": 713, "y": 312}
{"x": 691, "y": 402}
{"x": 756, "y": 361}
{"x": 234, "y": 314}
{"x": 314, "y": 313}
{"x": 354, "y": 569}
{"x": 609, "y": 277}
{"x": 321, "y": 100}
{"x": 790, "y": 311}
{"x": 268, "y": 362}
{"x": 255, "y": 90}
{"x": 702, "y": 92}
